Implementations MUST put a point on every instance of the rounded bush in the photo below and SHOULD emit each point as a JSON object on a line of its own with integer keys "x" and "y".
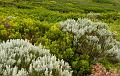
{"x": 21, "y": 58}
{"x": 93, "y": 36}
{"x": 93, "y": 42}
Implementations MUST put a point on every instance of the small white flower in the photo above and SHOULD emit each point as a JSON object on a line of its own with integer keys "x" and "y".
{"x": 27, "y": 59}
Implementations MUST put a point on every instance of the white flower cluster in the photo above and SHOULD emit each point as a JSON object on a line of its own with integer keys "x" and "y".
{"x": 95, "y": 33}
{"x": 115, "y": 48}
{"x": 86, "y": 27}
{"x": 21, "y": 58}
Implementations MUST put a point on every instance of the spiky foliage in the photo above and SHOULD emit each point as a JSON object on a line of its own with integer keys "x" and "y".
{"x": 21, "y": 58}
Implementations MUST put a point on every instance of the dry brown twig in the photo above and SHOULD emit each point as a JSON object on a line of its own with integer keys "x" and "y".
{"x": 99, "y": 70}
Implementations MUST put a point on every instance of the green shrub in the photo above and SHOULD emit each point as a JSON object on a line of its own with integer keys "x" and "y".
{"x": 25, "y": 28}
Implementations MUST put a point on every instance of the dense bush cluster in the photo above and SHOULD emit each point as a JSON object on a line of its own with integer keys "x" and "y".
{"x": 13, "y": 28}
{"x": 82, "y": 43}
{"x": 21, "y": 58}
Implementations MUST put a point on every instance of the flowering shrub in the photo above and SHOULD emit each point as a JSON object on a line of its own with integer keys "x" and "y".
{"x": 93, "y": 36}
{"x": 21, "y": 58}
{"x": 90, "y": 42}
{"x": 99, "y": 70}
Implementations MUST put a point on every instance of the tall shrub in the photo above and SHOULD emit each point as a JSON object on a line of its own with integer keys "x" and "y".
{"x": 92, "y": 38}
{"x": 93, "y": 42}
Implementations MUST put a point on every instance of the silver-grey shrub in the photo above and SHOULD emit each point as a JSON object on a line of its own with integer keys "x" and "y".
{"x": 95, "y": 37}
{"x": 20, "y": 58}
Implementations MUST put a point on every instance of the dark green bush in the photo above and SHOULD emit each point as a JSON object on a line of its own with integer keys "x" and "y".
{"x": 103, "y": 1}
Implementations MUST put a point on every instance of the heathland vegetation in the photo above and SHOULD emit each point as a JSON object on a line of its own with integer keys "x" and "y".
{"x": 59, "y": 37}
